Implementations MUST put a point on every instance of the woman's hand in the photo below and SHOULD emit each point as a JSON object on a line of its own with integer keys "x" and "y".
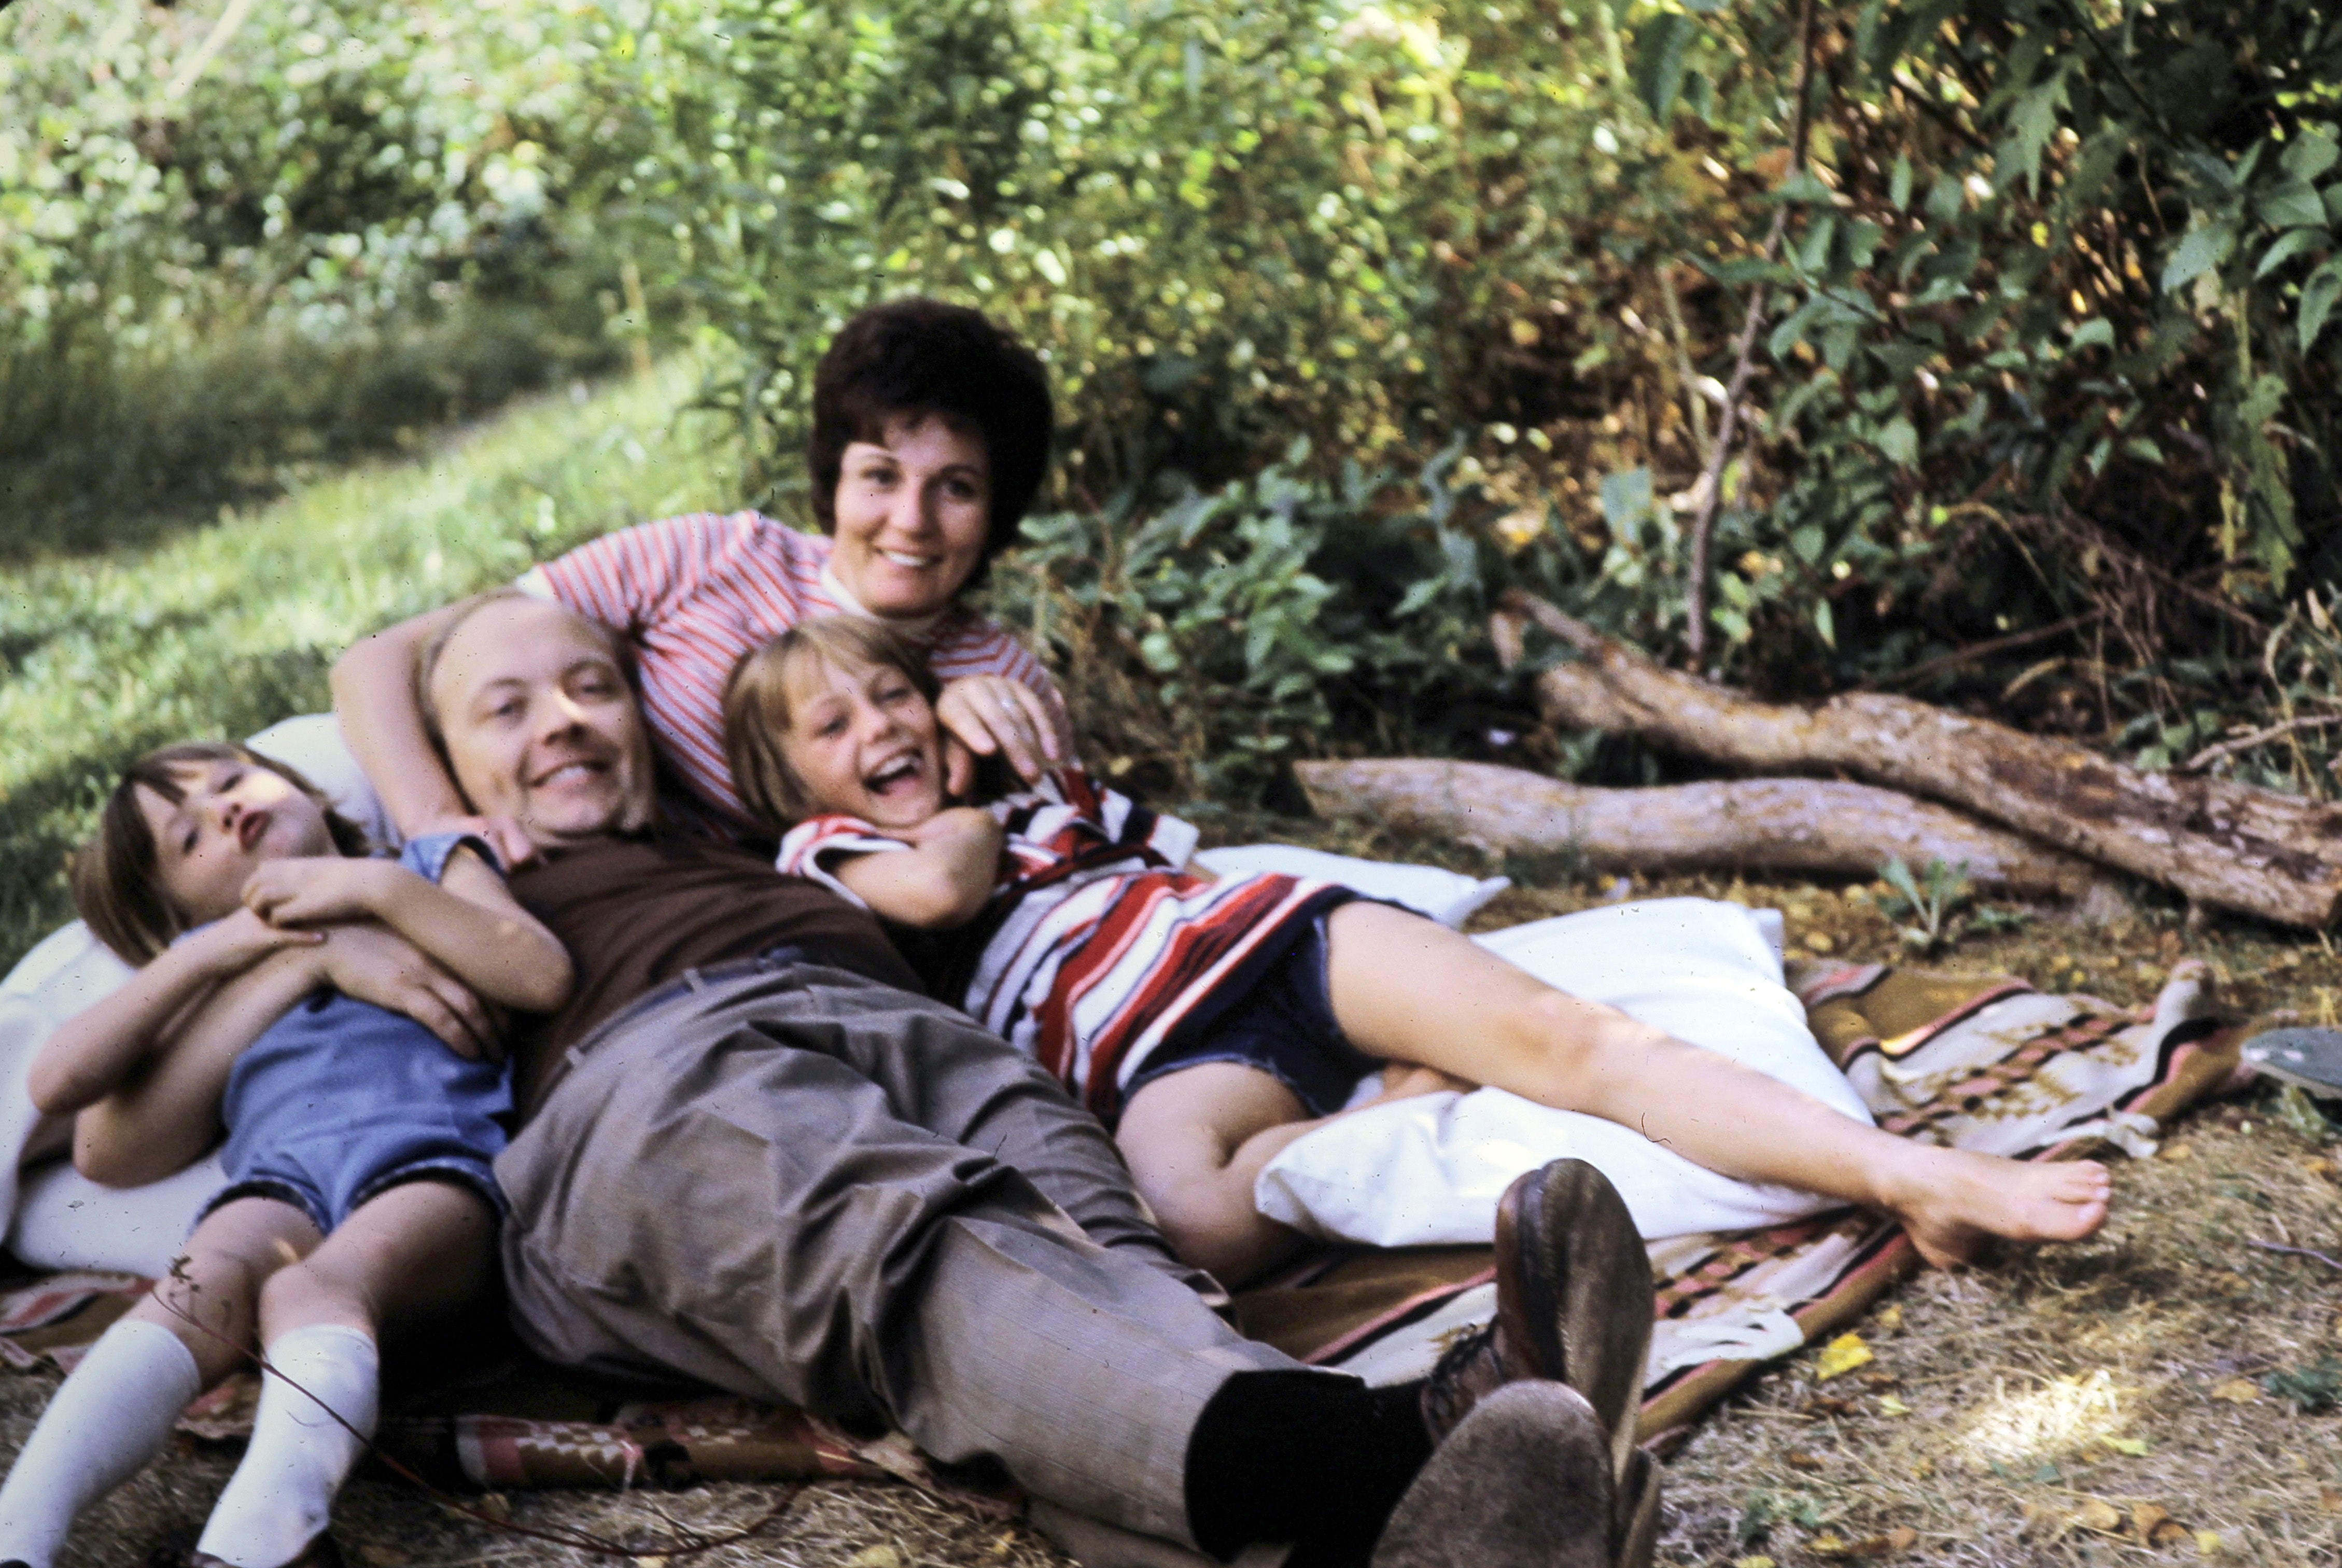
{"x": 318, "y": 890}
{"x": 992, "y": 715}
{"x": 374, "y": 965}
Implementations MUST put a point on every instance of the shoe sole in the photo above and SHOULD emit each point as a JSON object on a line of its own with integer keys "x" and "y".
{"x": 1523, "y": 1482}
{"x": 2310, "y": 1059}
{"x": 1638, "y": 1512}
{"x": 1573, "y": 1271}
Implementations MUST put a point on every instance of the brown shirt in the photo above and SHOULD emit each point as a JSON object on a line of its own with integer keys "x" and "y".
{"x": 636, "y": 912}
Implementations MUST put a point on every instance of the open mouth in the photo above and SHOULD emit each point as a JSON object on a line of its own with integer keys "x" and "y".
{"x": 909, "y": 562}
{"x": 250, "y": 828}
{"x": 903, "y": 773}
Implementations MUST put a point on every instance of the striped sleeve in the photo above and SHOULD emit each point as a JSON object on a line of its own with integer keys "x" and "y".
{"x": 631, "y": 579}
{"x": 809, "y": 847}
{"x": 1121, "y": 821}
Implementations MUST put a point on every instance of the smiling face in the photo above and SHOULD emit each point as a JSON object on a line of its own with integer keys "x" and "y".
{"x": 539, "y": 722}
{"x": 910, "y": 516}
{"x": 862, "y": 739}
{"x": 230, "y": 819}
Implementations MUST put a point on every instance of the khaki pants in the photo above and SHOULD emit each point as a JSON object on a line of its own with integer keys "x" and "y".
{"x": 807, "y": 1186}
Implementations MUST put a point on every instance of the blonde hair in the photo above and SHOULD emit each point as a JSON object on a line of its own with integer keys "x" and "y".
{"x": 117, "y": 882}
{"x": 756, "y": 703}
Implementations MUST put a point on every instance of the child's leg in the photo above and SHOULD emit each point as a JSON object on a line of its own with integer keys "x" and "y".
{"x": 1409, "y": 989}
{"x": 116, "y": 1410}
{"x": 417, "y": 1248}
{"x": 1195, "y": 1140}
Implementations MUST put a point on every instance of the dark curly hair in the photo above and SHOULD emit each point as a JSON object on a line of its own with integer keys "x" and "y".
{"x": 909, "y": 357}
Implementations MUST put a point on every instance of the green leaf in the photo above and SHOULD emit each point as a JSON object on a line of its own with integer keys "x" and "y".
{"x": 2031, "y": 123}
{"x": 2096, "y": 332}
{"x": 1660, "y": 45}
{"x": 2288, "y": 246}
{"x": 1899, "y": 442}
{"x": 2200, "y": 250}
{"x": 2310, "y": 154}
{"x": 1814, "y": 255}
{"x": 1825, "y": 622}
{"x": 1899, "y": 183}
{"x": 2317, "y": 297}
{"x": 2290, "y": 203}
{"x": 1626, "y": 499}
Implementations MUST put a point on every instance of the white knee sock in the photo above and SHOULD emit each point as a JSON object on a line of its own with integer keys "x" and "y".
{"x": 282, "y": 1495}
{"x": 113, "y": 1414}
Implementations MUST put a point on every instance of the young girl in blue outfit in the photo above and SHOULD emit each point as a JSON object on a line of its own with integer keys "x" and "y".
{"x": 320, "y": 1006}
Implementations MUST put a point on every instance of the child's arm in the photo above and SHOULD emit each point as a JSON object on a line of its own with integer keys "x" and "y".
{"x": 96, "y": 1050}
{"x": 166, "y": 1113}
{"x": 943, "y": 880}
{"x": 467, "y": 921}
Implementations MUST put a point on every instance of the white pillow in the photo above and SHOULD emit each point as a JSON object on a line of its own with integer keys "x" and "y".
{"x": 64, "y": 1220}
{"x": 1430, "y": 1169}
{"x": 1448, "y": 897}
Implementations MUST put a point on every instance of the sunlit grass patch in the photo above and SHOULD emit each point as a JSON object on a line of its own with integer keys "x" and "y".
{"x": 228, "y": 629}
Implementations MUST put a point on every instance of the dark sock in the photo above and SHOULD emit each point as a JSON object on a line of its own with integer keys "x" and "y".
{"x": 1303, "y": 1457}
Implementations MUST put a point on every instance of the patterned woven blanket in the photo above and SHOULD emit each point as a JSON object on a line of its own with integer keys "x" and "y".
{"x": 1986, "y": 1064}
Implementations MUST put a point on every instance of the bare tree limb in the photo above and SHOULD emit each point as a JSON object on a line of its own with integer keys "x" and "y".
{"x": 2274, "y": 855}
{"x": 2211, "y": 755}
{"x": 1811, "y": 827}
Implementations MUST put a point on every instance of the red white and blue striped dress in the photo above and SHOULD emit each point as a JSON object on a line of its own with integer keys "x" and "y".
{"x": 1096, "y": 947}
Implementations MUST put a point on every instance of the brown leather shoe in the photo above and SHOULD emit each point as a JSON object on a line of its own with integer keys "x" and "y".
{"x": 1635, "y": 1532}
{"x": 1574, "y": 1305}
{"x": 1574, "y": 1295}
{"x": 1523, "y": 1482}
{"x": 321, "y": 1553}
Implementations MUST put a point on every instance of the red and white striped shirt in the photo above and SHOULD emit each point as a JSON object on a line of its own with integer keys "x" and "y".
{"x": 693, "y": 594}
{"x": 1096, "y": 947}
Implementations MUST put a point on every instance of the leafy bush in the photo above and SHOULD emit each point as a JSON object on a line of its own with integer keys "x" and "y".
{"x": 1224, "y": 226}
{"x": 199, "y": 260}
{"x": 1207, "y": 642}
{"x": 2042, "y": 361}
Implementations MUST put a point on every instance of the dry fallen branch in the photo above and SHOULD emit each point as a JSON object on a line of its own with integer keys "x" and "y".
{"x": 1807, "y": 826}
{"x": 2227, "y": 844}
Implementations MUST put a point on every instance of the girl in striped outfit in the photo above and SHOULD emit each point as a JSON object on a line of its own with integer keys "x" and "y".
{"x": 1212, "y": 1022}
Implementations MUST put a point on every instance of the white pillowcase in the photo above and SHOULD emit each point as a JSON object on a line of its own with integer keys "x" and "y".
{"x": 1447, "y": 896}
{"x": 62, "y": 1219}
{"x": 1430, "y": 1169}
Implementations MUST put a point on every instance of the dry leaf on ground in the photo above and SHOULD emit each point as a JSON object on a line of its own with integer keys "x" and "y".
{"x": 1842, "y": 1356}
{"x": 2100, "y": 1516}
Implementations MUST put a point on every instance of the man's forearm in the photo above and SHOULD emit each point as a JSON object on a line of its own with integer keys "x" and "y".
{"x": 375, "y": 698}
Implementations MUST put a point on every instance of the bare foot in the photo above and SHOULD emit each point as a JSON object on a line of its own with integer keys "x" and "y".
{"x": 1950, "y": 1200}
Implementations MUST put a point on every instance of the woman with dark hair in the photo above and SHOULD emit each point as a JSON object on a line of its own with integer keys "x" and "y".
{"x": 931, "y": 430}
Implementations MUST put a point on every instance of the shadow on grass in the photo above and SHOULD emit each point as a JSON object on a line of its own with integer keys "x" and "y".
{"x": 46, "y": 816}
{"x": 100, "y": 451}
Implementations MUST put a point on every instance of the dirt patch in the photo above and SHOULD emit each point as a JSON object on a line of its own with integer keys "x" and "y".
{"x": 2164, "y": 1393}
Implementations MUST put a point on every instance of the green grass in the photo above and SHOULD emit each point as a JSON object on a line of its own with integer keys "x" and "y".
{"x": 221, "y": 632}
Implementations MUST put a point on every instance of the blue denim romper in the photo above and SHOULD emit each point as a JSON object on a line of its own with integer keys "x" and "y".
{"x": 340, "y": 1099}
